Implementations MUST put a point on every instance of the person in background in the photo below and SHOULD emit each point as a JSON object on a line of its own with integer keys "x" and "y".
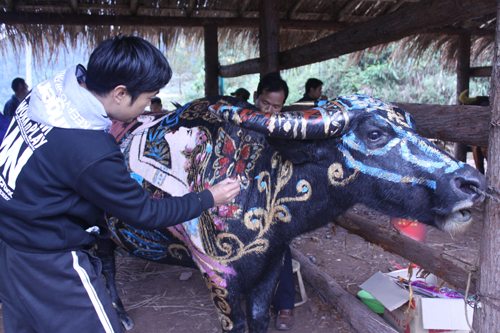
{"x": 4, "y": 125}
{"x": 314, "y": 90}
{"x": 156, "y": 105}
{"x": 242, "y": 94}
{"x": 61, "y": 172}
{"x": 270, "y": 96}
{"x": 20, "y": 91}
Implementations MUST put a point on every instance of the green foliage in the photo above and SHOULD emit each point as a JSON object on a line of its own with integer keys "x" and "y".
{"x": 381, "y": 77}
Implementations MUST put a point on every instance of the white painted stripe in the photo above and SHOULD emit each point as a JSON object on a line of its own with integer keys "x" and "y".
{"x": 103, "y": 317}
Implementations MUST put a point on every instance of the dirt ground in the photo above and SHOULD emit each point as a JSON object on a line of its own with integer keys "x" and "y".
{"x": 159, "y": 301}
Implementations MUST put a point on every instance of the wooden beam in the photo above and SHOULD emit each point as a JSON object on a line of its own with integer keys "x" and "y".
{"x": 171, "y": 21}
{"x": 269, "y": 30}
{"x": 294, "y": 8}
{"x": 412, "y": 19}
{"x": 486, "y": 313}
{"x": 160, "y": 21}
{"x": 134, "y": 5}
{"x": 11, "y": 5}
{"x": 211, "y": 60}
{"x": 73, "y": 4}
{"x": 463, "y": 69}
{"x": 467, "y": 124}
{"x": 242, "y": 7}
{"x": 189, "y": 8}
{"x": 361, "y": 318}
{"x": 416, "y": 252}
{"x": 480, "y": 71}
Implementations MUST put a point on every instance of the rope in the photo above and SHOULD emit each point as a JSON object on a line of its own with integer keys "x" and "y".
{"x": 471, "y": 269}
{"x": 484, "y": 298}
{"x": 484, "y": 194}
{"x": 494, "y": 189}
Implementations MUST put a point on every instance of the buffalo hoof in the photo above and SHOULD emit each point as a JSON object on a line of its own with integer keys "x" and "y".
{"x": 127, "y": 322}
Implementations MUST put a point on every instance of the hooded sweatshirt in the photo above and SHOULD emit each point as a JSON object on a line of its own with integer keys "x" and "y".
{"x": 60, "y": 170}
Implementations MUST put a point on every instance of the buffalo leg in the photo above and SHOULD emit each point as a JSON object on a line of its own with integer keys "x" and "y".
{"x": 258, "y": 301}
{"x": 228, "y": 304}
{"x": 105, "y": 250}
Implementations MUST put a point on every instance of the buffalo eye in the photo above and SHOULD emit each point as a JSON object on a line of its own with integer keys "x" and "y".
{"x": 374, "y": 135}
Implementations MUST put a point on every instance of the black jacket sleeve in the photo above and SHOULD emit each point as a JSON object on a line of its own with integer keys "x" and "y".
{"x": 107, "y": 184}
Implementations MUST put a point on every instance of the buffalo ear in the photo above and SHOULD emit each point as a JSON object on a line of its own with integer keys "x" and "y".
{"x": 297, "y": 151}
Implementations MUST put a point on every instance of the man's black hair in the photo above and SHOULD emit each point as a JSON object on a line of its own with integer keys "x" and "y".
{"x": 312, "y": 83}
{"x": 272, "y": 82}
{"x": 156, "y": 100}
{"x": 16, "y": 82}
{"x": 129, "y": 61}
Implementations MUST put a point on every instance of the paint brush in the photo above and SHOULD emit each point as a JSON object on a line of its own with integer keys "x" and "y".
{"x": 244, "y": 180}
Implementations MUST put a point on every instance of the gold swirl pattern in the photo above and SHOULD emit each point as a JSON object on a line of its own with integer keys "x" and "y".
{"x": 175, "y": 251}
{"x": 219, "y": 296}
{"x": 261, "y": 219}
{"x": 199, "y": 110}
{"x": 336, "y": 175}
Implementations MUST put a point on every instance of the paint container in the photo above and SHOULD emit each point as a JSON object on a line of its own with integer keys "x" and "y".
{"x": 410, "y": 228}
{"x": 371, "y": 302}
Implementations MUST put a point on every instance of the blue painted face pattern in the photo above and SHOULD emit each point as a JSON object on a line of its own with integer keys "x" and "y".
{"x": 406, "y": 145}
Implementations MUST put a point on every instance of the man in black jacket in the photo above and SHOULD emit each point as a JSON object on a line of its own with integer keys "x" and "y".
{"x": 60, "y": 170}
{"x": 314, "y": 90}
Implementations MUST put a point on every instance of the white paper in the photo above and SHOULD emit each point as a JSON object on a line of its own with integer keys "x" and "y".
{"x": 445, "y": 314}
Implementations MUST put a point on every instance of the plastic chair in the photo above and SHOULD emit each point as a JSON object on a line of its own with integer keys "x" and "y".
{"x": 296, "y": 270}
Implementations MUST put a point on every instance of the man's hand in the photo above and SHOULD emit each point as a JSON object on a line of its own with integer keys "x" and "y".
{"x": 225, "y": 191}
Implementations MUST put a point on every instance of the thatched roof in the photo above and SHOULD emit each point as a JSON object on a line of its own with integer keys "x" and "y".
{"x": 52, "y": 24}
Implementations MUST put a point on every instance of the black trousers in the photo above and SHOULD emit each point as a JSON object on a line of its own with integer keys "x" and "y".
{"x": 54, "y": 293}
{"x": 284, "y": 298}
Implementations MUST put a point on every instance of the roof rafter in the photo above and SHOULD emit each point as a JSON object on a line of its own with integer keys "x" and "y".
{"x": 413, "y": 19}
{"x": 13, "y": 18}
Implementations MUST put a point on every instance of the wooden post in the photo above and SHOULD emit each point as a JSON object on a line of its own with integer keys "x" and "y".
{"x": 211, "y": 60}
{"x": 486, "y": 316}
{"x": 463, "y": 70}
{"x": 269, "y": 30}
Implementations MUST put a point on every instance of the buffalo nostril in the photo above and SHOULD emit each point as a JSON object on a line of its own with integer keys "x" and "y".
{"x": 466, "y": 184}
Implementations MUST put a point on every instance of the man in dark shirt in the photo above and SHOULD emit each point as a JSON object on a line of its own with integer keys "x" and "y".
{"x": 314, "y": 89}
{"x": 60, "y": 171}
{"x": 4, "y": 124}
{"x": 242, "y": 94}
{"x": 20, "y": 90}
{"x": 270, "y": 96}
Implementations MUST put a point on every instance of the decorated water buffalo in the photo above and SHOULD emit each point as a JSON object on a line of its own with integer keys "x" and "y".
{"x": 298, "y": 171}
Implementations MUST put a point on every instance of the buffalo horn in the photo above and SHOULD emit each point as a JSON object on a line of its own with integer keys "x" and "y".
{"x": 329, "y": 120}
{"x": 464, "y": 98}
